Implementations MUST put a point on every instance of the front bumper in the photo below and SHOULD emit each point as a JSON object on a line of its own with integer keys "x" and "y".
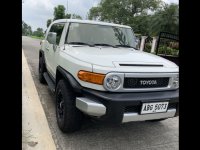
{"x": 125, "y": 107}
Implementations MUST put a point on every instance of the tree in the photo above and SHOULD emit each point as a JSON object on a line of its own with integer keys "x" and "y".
{"x": 74, "y": 16}
{"x": 49, "y": 21}
{"x": 68, "y": 16}
{"x": 29, "y": 30}
{"x": 122, "y": 11}
{"x": 59, "y": 12}
{"x": 130, "y": 12}
{"x": 26, "y": 29}
{"x": 94, "y": 13}
{"x": 146, "y": 17}
{"x": 38, "y": 32}
{"x": 166, "y": 19}
{"x": 140, "y": 24}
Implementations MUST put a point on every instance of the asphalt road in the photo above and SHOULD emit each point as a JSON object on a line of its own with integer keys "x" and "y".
{"x": 130, "y": 136}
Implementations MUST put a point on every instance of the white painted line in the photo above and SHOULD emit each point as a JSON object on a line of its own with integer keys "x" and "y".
{"x": 35, "y": 130}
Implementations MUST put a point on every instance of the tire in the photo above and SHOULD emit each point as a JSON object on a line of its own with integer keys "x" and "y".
{"x": 157, "y": 120}
{"x": 41, "y": 70}
{"x": 69, "y": 118}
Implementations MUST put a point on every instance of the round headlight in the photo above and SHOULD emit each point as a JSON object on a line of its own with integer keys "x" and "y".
{"x": 113, "y": 82}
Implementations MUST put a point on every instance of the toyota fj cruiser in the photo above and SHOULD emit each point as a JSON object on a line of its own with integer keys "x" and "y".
{"x": 94, "y": 69}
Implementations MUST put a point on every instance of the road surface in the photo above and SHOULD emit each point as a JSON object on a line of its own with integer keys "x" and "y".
{"x": 130, "y": 136}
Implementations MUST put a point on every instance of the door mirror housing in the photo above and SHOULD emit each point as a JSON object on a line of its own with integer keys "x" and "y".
{"x": 51, "y": 37}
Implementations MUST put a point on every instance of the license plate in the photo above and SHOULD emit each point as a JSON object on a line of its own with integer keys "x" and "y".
{"x": 148, "y": 108}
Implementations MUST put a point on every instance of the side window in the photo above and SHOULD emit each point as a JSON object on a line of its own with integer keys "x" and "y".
{"x": 58, "y": 28}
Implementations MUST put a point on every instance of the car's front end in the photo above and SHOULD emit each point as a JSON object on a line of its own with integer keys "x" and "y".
{"x": 127, "y": 94}
{"x": 121, "y": 84}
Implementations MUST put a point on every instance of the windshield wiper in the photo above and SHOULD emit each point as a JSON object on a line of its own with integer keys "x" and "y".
{"x": 80, "y": 43}
{"x": 125, "y": 46}
{"x": 104, "y": 44}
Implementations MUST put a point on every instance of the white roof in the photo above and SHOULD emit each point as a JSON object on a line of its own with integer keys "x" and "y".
{"x": 90, "y": 22}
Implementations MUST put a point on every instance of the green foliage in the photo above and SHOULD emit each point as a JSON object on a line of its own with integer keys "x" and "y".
{"x": 68, "y": 16}
{"x": 36, "y": 37}
{"x": 135, "y": 13}
{"x": 167, "y": 51}
{"x": 140, "y": 24}
{"x": 166, "y": 19}
{"x": 74, "y": 16}
{"x": 49, "y": 21}
{"x": 94, "y": 13}
{"x": 38, "y": 32}
{"x": 26, "y": 29}
{"x": 59, "y": 12}
{"x": 147, "y": 47}
{"x": 122, "y": 11}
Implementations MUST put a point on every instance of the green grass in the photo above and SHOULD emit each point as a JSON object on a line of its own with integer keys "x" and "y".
{"x": 36, "y": 37}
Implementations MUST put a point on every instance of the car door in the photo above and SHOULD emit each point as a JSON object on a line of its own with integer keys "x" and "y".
{"x": 52, "y": 49}
{"x": 48, "y": 51}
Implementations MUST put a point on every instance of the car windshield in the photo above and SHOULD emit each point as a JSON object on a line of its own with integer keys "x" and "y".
{"x": 102, "y": 35}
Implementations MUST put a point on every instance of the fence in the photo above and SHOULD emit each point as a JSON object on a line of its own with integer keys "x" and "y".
{"x": 165, "y": 45}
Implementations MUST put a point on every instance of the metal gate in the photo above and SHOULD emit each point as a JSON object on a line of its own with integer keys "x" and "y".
{"x": 168, "y": 46}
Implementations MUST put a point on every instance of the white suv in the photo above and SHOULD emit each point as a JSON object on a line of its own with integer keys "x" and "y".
{"x": 95, "y": 70}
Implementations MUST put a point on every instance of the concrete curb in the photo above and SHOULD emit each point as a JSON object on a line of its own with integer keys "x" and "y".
{"x": 35, "y": 130}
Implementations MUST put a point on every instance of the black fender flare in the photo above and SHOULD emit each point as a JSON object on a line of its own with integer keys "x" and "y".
{"x": 41, "y": 54}
{"x": 67, "y": 76}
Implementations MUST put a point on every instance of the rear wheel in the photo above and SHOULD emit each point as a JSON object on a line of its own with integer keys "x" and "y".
{"x": 69, "y": 118}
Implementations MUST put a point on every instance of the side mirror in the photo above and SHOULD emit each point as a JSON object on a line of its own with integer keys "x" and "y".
{"x": 51, "y": 37}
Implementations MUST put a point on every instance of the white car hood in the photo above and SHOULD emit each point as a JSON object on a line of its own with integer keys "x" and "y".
{"x": 112, "y": 57}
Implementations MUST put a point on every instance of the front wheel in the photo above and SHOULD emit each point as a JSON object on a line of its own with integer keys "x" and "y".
{"x": 69, "y": 118}
{"x": 41, "y": 70}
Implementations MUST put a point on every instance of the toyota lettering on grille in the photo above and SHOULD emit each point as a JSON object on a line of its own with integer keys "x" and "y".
{"x": 148, "y": 82}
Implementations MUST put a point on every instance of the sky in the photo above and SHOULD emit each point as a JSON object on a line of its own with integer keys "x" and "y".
{"x": 36, "y": 12}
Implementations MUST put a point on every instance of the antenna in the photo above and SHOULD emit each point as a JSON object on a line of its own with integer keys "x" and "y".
{"x": 67, "y": 10}
{"x": 67, "y": 5}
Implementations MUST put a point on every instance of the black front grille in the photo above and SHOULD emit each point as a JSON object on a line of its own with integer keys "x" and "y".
{"x": 136, "y": 108}
{"x": 145, "y": 82}
{"x": 172, "y": 105}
